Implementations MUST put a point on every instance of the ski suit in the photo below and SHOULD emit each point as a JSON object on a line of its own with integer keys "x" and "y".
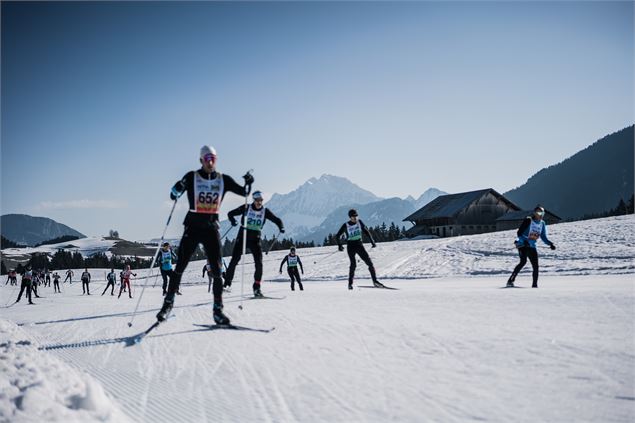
{"x": 293, "y": 261}
{"x": 126, "y": 281}
{"x": 205, "y": 193}
{"x": 256, "y": 219}
{"x": 27, "y": 278}
{"x": 111, "y": 278}
{"x": 354, "y": 245}
{"x": 528, "y": 233}
{"x": 85, "y": 282}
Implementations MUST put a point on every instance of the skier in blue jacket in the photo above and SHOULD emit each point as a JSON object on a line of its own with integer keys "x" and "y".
{"x": 532, "y": 228}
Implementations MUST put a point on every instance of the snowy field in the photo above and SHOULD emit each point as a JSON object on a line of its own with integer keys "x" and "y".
{"x": 449, "y": 345}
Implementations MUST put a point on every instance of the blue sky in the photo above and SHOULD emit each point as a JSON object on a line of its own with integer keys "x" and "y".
{"x": 105, "y": 105}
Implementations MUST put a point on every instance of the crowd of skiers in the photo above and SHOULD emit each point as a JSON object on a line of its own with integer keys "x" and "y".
{"x": 205, "y": 189}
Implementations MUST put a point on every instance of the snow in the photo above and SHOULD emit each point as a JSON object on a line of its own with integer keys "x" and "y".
{"x": 87, "y": 246}
{"x": 449, "y": 345}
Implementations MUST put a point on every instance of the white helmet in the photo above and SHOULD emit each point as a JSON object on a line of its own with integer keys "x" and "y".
{"x": 206, "y": 149}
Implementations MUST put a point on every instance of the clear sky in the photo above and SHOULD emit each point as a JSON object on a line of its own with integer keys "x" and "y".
{"x": 105, "y": 105}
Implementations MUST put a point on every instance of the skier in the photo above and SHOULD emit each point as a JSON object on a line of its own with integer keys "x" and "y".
{"x": 121, "y": 280}
{"x": 34, "y": 282}
{"x": 27, "y": 277}
{"x": 166, "y": 256}
{"x": 257, "y": 215}
{"x": 126, "y": 281}
{"x": 47, "y": 281}
{"x": 354, "y": 229}
{"x": 111, "y": 278}
{"x": 12, "y": 277}
{"x": 56, "y": 282}
{"x": 69, "y": 276}
{"x": 293, "y": 261}
{"x": 205, "y": 189}
{"x": 85, "y": 281}
{"x": 532, "y": 228}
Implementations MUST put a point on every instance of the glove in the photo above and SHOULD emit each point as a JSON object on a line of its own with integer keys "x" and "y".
{"x": 233, "y": 222}
{"x": 227, "y": 284}
{"x": 282, "y": 230}
{"x": 340, "y": 247}
{"x": 552, "y": 246}
{"x": 249, "y": 179}
{"x": 177, "y": 190}
{"x": 374, "y": 245}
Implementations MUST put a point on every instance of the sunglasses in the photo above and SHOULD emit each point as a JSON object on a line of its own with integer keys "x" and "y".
{"x": 209, "y": 158}
{"x": 539, "y": 213}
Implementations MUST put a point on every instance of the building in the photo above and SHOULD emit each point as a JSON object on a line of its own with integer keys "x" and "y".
{"x": 512, "y": 220}
{"x": 465, "y": 213}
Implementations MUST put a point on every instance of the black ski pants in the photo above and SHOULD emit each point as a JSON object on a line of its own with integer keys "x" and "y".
{"x": 112, "y": 289}
{"x": 85, "y": 289}
{"x": 353, "y": 248}
{"x": 294, "y": 275}
{"x": 56, "y": 285}
{"x": 165, "y": 274}
{"x": 524, "y": 253}
{"x": 68, "y": 278}
{"x": 192, "y": 236}
{"x": 26, "y": 285}
{"x": 253, "y": 244}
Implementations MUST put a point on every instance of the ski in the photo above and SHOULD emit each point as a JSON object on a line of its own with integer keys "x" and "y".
{"x": 266, "y": 297}
{"x": 378, "y": 287}
{"x": 234, "y": 327}
{"x": 513, "y": 286}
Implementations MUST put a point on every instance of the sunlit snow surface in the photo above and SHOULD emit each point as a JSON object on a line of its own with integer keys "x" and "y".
{"x": 449, "y": 345}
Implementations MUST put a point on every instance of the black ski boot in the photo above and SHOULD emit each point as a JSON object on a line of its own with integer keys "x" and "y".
{"x": 510, "y": 281}
{"x": 219, "y": 317}
{"x": 378, "y": 284}
{"x": 350, "y": 285}
{"x": 534, "y": 285}
{"x": 257, "y": 291}
{"x": 168, "y": 303}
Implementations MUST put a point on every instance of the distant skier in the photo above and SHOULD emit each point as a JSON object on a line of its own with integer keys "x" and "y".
{"x": 257, "y": 215}
{"x": 121, "y": 284}
{"x": 166, "y": 256}
{"x": 85, "y": 281}
{"x": 111, "y": 279}
{"x": 27, "y": 278}
{"x": 47, "y": 280}
{"x": 354, "y": 229}
{"x": 293, "y": 261}
{"x": 12, "y": 277}
{"x": 69, "y": 276}
{"x": 56, "y": 282}
{"x": 206, "y": 189}
{"x": 532, "y": 228}
{"x": 126, "y": 281}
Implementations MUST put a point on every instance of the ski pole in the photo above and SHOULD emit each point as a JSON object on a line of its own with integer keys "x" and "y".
{"x": 329, "y": 255}
{"x": 243, "y": 226}
{"x": 154, "y": 258}
{"x": 226, "y": 232}
{"x": 273, "y": 241}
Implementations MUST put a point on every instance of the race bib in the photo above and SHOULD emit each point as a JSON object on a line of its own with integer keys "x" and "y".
{"x": 166, "y": 257}
{"x": 255, "y": 219}
{"x": 354, "y": 231}
{"x": 208, "y": 194}
{"x": 535, "y": 230}
{"x": 292, "y": 261}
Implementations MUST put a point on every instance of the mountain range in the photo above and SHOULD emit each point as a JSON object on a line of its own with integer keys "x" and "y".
{"x": 591, "y": 181}
{"x": 30, "y": 230}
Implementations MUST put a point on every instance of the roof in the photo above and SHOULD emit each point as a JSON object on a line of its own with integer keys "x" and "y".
{"x": 521, "y": 214}
{"x": 450, "y": 205}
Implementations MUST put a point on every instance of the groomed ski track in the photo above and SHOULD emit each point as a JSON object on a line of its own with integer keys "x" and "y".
{"x": 445, "y": 348}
